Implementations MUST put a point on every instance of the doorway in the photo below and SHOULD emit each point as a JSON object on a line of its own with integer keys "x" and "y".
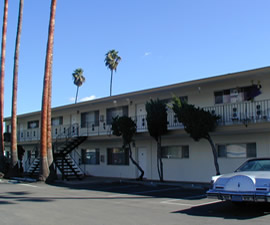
{"x": 142, "y": 160}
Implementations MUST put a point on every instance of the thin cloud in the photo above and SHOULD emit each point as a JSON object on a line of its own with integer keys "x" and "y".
{"x": 147, "y": 54}
{"x": 89, "y": 98}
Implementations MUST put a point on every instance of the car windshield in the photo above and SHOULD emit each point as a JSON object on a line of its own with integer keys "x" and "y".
{"x": 255, "y": 165}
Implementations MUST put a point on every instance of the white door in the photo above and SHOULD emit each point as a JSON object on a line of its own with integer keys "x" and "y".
{"x": 74, "y": 125}
{"x": 142, "y": 160}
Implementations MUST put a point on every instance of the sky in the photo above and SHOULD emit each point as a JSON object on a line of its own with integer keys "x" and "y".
{"x": 161, "y": 42}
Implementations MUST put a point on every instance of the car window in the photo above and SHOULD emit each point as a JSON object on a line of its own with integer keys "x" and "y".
{"x": 255, "y": 165}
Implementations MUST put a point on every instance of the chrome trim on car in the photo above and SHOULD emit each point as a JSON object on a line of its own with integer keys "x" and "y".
{"x": 239, "y": 196}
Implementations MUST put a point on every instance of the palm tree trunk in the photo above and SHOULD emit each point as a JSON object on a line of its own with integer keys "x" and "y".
{"x": 214, "y": 151}
{"x": 2, "y": 77}
{"x": 14, "y": 152}
{"x": 44, "y": 167}
{"x": 49, "y": 132}
{"x": 77, "y": 94}
{"x": 111, "y": 83}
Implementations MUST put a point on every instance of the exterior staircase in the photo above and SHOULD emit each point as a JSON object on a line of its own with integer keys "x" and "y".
{"x": 68, "y": 167}
{"x": 34, "y": 169}
{"x": 62, "y": 160}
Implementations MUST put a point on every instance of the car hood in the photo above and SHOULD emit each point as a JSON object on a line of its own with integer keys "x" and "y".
{"x": 253, "y": 174}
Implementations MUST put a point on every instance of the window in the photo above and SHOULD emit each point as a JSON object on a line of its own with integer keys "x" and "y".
{"x": 117, "y": 156}
{"x": 113, "y": 112}
{"x": 237, "y": 150}
{"x": 89, "y": 119}
{"x": 234, "y": 95}
{"x": 56, "y": 121}
{"x": 90, "y": 156}
{"x": 175, "y": 152}
{"x": 33, "y": 124}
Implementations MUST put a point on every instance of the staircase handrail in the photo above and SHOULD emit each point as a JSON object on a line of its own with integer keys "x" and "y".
{"x": 67, "y": 135}
{"x": 78, "y": 164}
{"x": 29, "y": 162}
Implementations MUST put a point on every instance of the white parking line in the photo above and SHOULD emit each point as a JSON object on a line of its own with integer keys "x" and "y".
{"x": 173, "y": 202}
{"x": 29, "y": 185}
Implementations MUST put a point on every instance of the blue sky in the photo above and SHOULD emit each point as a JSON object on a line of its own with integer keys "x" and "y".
{"x": 160, "y": 42}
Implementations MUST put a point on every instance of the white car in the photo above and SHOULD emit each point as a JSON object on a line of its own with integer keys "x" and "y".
{"x": 249, "y": 183}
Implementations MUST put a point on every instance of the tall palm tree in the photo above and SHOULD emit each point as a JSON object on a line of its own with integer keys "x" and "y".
{"x": 44, "y": 167}
{"x": 2, "y": 77}
{"x": 111, "y": 61}
{"x": 49, "y": 130}
{"x": 14, "y": 152}
{"x": 78, "y": 79}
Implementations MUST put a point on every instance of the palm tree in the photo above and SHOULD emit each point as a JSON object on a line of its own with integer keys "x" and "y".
{"x": 79, "y": 79}
{"x": 14, "y": 153}
{"x": 2, "y": 77}
{"x": 44, "y": 167}
{"x": 111, "y": 61}
{"x": 49, "y": 131}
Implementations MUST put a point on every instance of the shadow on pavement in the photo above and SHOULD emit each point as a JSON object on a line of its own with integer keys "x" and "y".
{"x": 228, "y": 210}
{"x": 149, "y": 190}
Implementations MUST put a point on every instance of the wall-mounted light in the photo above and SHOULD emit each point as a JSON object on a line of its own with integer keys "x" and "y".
{"x": 129, "y": 101}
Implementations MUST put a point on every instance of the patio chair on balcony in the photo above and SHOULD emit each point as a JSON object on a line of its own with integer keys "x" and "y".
{"x": 258, "y": 112}
{"x": 235, "y": 115}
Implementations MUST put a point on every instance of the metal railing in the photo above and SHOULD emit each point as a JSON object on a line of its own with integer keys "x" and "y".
{"x": 77, "y": 158}
{"x": 231, "y": 113}
{"x": 244, "y": 112}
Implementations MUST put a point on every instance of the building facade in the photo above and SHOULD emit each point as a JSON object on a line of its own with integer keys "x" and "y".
{"x": 242, "y": 100}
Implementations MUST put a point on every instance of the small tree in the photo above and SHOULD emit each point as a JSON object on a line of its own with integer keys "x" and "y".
{"x": 124, "y": 126}
{"x": 157, "y": 126}
{"x": 197, "y": 123}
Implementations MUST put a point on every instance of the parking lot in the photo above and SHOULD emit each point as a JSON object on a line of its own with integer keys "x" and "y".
{"x": 119, "y": 203}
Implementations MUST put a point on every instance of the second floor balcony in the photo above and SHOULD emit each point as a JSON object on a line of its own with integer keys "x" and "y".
{"x": 230, "y": 114}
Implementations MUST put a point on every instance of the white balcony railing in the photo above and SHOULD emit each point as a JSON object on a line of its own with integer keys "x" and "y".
{"x": 233, "y": 113}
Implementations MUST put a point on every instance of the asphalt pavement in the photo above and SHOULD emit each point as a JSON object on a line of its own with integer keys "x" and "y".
{"x": 117, "y": 202}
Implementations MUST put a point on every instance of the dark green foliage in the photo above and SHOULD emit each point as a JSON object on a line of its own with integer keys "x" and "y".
{"x": 156, "y": 118}
{"x": 197, "y": 122}
{"x": 124, "y": 126}
{"x": 157, "y": 126}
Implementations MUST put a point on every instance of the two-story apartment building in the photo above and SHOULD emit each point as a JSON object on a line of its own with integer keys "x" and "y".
{"x": 241, "y": 99}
